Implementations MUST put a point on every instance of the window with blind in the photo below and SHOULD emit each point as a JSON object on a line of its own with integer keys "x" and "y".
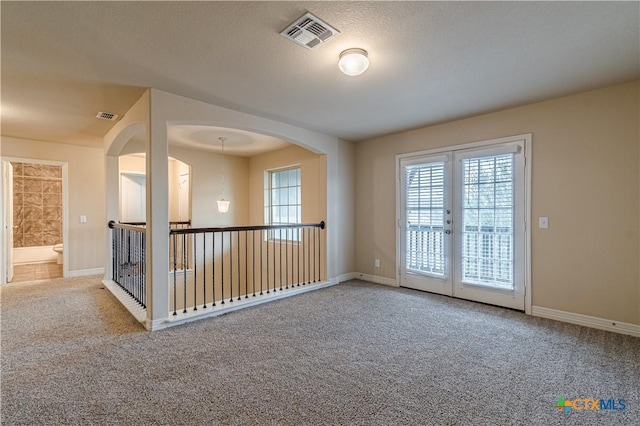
{"x": 425, "y": 210}
{"x": 488, "y": 214}
{"x": 283, "y": 201}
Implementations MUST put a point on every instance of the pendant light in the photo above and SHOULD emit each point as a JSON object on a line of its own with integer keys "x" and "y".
{"x": 223, "y": 205}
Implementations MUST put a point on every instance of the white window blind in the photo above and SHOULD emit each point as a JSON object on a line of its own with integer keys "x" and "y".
{"x": 487, "y": 215}
{"x": 424, "y": 207}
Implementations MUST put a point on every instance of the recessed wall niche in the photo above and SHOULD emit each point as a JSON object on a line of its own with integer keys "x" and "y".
{"x": 37, "y": 204}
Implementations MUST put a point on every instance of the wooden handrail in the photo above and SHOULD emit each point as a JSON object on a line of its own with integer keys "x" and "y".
{"x": 320, "y": 225}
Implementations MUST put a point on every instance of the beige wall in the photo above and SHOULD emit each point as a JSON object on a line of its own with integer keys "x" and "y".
{"x": 585, "y": 178}
{"x": 132, "y": 163}
{"x": 206, "y": 189}
{"x": 86, "y": 196}
{"x": 205, "y": 175}
{"x": 137, "y": 164}
{"x": 344, "y": 205}
{"x": 312, "y": 172}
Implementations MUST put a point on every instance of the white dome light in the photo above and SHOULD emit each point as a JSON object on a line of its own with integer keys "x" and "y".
{"x": 353, "y": 62}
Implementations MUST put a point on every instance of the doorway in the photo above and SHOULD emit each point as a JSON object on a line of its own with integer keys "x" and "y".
{"x": 133, "y": 190}
{"x": 462, "y": 220}
{"x": 34, "y": 219}
{"x": 133, "y": 197}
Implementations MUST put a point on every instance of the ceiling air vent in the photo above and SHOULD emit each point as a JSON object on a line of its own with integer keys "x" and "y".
{"x": 107, "y": 116}
{"x": 309, "y": 31}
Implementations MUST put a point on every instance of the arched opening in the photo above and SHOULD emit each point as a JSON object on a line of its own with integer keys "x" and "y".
{"x": 272, "y": 238}
{"x": 250, "y": 173}
{"x": 241, "y": 174}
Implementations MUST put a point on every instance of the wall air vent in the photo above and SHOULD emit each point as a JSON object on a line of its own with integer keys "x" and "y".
{"x": 309, "y": 31}
{"x": 107, "y": 116}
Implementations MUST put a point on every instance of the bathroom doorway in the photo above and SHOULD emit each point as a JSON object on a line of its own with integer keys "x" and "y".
{"x": 34, "y": 219}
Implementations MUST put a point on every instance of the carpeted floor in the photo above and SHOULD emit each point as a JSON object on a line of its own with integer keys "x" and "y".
{"x": 355, "y": 353}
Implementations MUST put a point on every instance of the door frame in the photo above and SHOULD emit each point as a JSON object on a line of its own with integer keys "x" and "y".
{"x": 65, "y": 211}
{"x": 526, "y": 139}
{"x": 7, "y": 221}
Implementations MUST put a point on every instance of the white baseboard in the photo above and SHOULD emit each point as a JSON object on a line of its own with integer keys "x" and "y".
{"x": 183, "y": 318}
{"x": 154, "y": 325}
{"x": 376, "y": 279}
{"x": 587, "y": 321}
{"x": 346, "y": 277}
{"x": 85, "y": 272}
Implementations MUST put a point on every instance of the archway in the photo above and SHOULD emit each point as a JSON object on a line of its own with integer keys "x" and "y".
{"x": 171, "y": 110}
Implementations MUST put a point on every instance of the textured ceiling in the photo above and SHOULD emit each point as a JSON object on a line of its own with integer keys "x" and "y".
{"x": 237, "y": 142}
{"x": 430, "y": 61}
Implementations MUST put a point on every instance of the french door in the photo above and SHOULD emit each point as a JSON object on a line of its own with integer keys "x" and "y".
{"x": 462, "y": 223}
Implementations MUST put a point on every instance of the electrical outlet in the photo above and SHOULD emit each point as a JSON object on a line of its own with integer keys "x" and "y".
{"x": 83, "y": 219}
{"x": 377, "y": 263}
{"x": 543, "y": 222}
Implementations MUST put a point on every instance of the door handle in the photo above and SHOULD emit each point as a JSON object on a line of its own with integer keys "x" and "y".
{"x": 448, "y": 231}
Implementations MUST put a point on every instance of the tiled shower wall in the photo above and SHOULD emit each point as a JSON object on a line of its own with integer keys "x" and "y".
{"x": 37, "y": 205}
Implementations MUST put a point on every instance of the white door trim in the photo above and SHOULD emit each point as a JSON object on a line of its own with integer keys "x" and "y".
{"x": 526, "y": 138}
{"x": 7, "y": 221}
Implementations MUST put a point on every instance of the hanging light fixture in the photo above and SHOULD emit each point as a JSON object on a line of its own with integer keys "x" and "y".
{"x": 353, "y": 62}
{"x": 223, "y": 205}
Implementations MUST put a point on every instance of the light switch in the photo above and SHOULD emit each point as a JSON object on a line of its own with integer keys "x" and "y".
{"x": 543, "y": 222}
{"x": 83, "y": 219}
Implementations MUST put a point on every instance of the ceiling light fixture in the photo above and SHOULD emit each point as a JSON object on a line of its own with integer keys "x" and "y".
{"x": 223, "y": 205}
{"x": 353, "y": 62}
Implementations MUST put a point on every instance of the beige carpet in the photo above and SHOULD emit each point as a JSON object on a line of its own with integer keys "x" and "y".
{"x": 355, "y": 353}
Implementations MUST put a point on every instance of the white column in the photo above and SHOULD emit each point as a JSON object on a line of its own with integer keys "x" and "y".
{"x": 157, "y": 240}
{"x": 112, "y": 177}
